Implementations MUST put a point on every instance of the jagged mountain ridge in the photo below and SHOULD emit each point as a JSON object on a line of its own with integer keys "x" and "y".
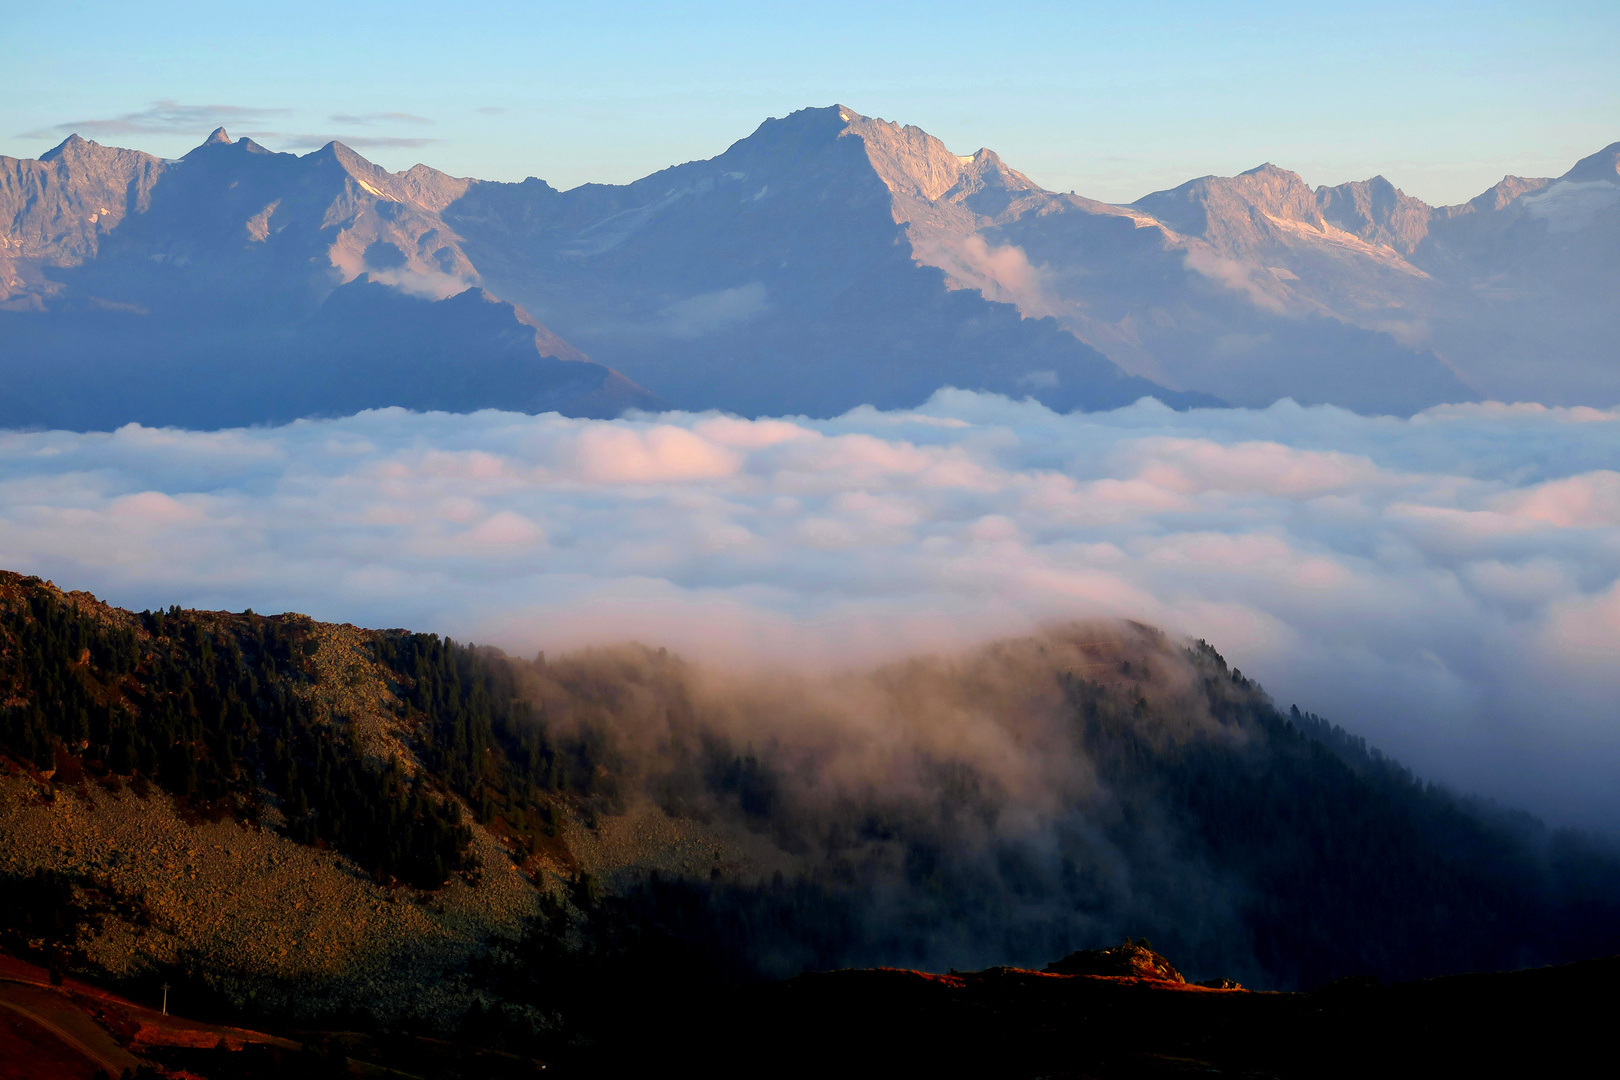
{"x": 61, "y": 205}
{"x": 1250, "y": 287}
{"x": 828, "y": 259}
{"x": 1257, "y": 286}
{"x": 240, "y": 286}
{"x": 221, "y": 208}
{"x": 988, "y": 228}
{"x": 1507, "y": 292}
{"x": 245, "y": 256}
{"x": 771, "y": 279}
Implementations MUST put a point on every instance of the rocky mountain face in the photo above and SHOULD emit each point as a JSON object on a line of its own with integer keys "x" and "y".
{"x": 1255, "y": 287}
{"x": 776, "y": 278}
{"x": 1249, "y": 288}
{"x": 57, "y": 209}
{"x": 1532, "y": 269}
{"x": 1183, "y": 287}
{"x": 240, "y": 286}
{"x": 826, "y": 261}
{"x": 1513, "y": 290}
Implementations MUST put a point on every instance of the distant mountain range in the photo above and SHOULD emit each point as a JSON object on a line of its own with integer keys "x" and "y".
{"x": 826, "y": 261}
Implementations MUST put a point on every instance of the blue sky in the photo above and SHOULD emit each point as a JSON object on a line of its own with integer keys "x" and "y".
{"x": 1443, "y": 98}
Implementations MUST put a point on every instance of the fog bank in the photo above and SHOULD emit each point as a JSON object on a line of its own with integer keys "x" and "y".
{"x": 1447, "y": 585}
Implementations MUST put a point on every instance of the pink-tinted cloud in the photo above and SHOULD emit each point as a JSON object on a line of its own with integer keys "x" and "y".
{"x": 1447, "y": 584}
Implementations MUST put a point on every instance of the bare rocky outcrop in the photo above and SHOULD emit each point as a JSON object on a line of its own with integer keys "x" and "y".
{"x": 59, "y": 207}
{"x": 1256, "y": 286}
{"x": 1377, "y": 211}
{"x": 1132, "y": 960}
{"x": 1243, "y": 286}
{"x": 54, "y": 212}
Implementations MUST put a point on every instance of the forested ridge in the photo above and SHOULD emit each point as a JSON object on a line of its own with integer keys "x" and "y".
{"x": 1242, "y": 839}
{"x": 1354, "y": 865}
{"x": 213, "y": 709}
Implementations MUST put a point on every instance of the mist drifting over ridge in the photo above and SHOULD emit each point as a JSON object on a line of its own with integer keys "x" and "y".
{"x": 954, "y": 810}
{"x": 1445, "y": 585}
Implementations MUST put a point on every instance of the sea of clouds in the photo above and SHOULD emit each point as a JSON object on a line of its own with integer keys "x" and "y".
{"x": 1447, "y": 585}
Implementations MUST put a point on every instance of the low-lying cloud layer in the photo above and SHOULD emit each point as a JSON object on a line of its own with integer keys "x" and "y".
{"x": 1448, "y": 585}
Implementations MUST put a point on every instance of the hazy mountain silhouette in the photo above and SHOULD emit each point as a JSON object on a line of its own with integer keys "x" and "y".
{"x": 775, "y": 278}
{"x": 826, "y": 261}
{"x": 241, "y": 286}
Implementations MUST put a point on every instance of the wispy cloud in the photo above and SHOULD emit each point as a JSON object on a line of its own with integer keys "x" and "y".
{"x": 173, "y": 118}
{"x": 291, "y": 141}
{"x": 163, "y": 117}
{"x": 379, "y": 118}
{"x": 1448, "y": 585}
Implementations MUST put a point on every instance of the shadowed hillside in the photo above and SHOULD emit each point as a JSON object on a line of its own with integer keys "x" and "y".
{"x": 293, "y": 819}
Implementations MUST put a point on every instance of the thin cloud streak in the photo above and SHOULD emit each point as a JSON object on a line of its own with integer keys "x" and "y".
{"x": 1448, "y": 585}
{"x": 356, "y": 142}
{"x": 378, "y": 118}
{"x": 164, "y": 117}
{"x": 168, "y": 117}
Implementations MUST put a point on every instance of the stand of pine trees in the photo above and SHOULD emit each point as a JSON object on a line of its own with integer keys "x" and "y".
{"x": 207, "y": 708}
{"x": 213, "y": 709}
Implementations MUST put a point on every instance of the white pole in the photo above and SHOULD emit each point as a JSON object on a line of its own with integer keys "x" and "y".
{"x": 165, "y": 999}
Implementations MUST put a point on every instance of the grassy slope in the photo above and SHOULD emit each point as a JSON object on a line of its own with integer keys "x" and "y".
{"x": 313, "y": 818}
